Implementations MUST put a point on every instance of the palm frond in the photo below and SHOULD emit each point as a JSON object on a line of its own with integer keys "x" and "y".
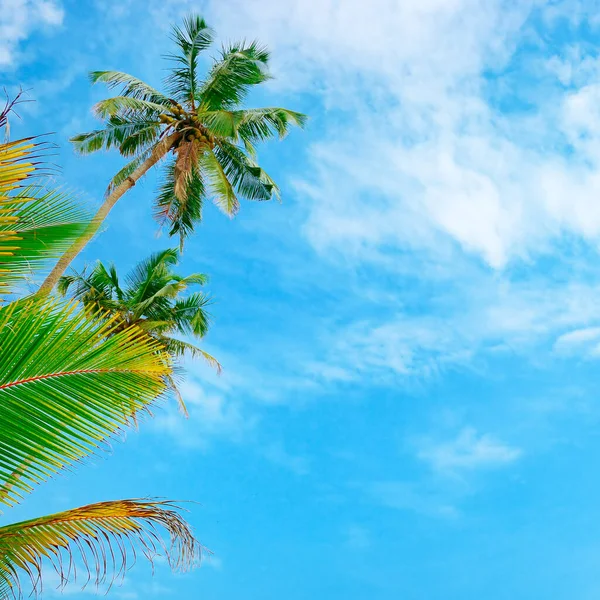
{"x": 119, "y": 132}
{"x": 180, "y": 401}
{"x": 191, "y": 39}
{"x": 249, "y": 180}
{"x": 126, "y": 106}
{"x": 221, "y": 123}
{"x": 99, "y": 290}
{"x": 190, "y": 316}
{"x": 261, "y": 124}
{"x": 94, "y": 539}
{"x": 164, "y": 285}
{"x": 240, "y": 67}
{"x": 37, "y": 224}
{"x": 130, "y": 86}
{"x": 223, "y": 193}
{"x": 180, "y": 348}
{"x": 67, "y": 382}
{"x": 141, "y": 277}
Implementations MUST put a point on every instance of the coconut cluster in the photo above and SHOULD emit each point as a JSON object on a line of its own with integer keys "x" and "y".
{"x": 184, "y": 121}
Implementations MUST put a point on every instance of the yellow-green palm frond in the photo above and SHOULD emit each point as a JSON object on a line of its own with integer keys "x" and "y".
{"x": 37, "y": 224}
{"x": 67, "y": 382}
{"x": 99, "y": 539}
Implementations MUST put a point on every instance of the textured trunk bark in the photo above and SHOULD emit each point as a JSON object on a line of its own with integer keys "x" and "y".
{"x": 79, "y": 244}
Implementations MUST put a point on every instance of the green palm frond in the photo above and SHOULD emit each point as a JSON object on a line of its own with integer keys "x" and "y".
{"x": 37, "y": 224}
{"x": 126, "y": 106}
{"x": 190, "y": 314}
{"x": 240, "y": 67}
{"x": 66, "y": 383}
{"x": 222, "y": 190}
{"x": 261, "y": 124}
{"x": 99, "y": 290}
{"x": 98, "y": 539}
{"x": 248, "y": 179}
{"x": 191, "y": 39}
{"x": 221, "y": 123}
{"x": 149, "y": 274}
{"x": 130, "y": 86}
{"x": 127, "y": 135}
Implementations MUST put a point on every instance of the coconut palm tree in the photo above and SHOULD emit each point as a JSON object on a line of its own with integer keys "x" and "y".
{"x": 68, "y": 383}
{"x": 150, "y": 299}
{"x": 201, "y": 124}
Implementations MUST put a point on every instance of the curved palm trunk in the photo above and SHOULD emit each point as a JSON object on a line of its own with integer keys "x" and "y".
{"x": 78, "y": 245}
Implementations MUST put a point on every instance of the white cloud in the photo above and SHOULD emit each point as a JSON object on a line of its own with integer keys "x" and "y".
{"x": 212, "y": 414}
{"x": 468, "y": 451}
{"x": 19, "y": 18}
{"x": 423, "y": 158}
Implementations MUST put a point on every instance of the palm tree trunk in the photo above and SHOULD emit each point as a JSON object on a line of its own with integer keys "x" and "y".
{"x": 160, "y": 150}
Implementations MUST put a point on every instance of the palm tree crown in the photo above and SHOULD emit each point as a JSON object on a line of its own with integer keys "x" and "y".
{"x": 150, "y": 299}
{"x": 201, "y": 122}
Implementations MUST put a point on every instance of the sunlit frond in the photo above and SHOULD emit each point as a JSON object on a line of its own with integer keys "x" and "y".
{"x": 37, "y": 224}
{"x": 67, "y": 382}
{"x": 93, "y": 544}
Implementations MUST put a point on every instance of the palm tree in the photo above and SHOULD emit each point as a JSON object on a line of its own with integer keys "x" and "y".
{"x": 150, "y": 300}
{"x": 68, "y": 383}
{"x": 200, "y": 123}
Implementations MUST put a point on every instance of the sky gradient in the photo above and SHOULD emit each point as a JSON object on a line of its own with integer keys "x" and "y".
{"x": 409, "y": 404}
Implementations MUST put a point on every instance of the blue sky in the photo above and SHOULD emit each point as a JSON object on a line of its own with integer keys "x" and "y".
{"x": 409, "y": 406}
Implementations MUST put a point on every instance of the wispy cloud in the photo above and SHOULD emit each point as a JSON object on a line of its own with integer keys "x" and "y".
{"x": 468, "y": 451}
{"x": 462, "y": 321}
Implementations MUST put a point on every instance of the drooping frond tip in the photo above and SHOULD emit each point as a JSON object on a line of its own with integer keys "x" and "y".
{"x": 97, "y": 541}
